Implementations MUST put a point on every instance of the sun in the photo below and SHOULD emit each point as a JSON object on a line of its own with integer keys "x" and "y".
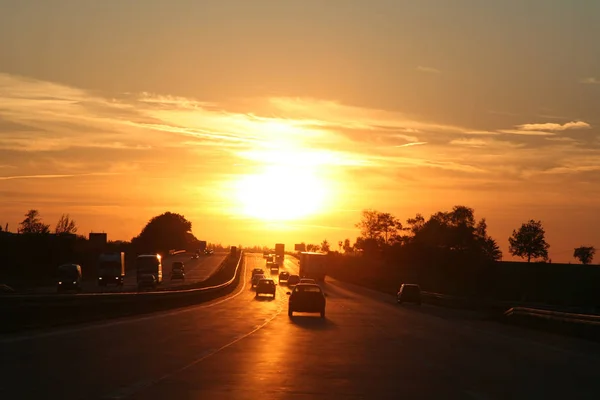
{"x": 282, "y": 193}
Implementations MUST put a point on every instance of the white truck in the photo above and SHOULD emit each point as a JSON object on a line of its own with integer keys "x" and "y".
{"x": 313, "y": 265}
{"x": 111, "y": 269}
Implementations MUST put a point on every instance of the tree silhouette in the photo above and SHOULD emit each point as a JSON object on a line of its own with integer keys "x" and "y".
{"x": 378, "y": 226}
{"x": 33, "y": 223}
{"x": 312, "y": 247}
{"x": 529, "y": 241}
{"x": 65, "y": 225}
{"x": 456, "y": 231}
{"x": 325, "y": 247}
{"x": 347, "y": 246}
{"x": 168, "y": 231}
{"x": 585, "y": 254}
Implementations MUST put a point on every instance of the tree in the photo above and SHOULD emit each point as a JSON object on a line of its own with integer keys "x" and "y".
{"x": 168, "y": 231}
{"x": 33, "y": 223}
{"x": 340, "y": 244}
{"x": 456, "y": 231}
{"x": 378, "y": 226}
{"x": 347, "y": 246}
{"x": 65, "y": 225}
{"x": 585, "y": 254}
{"x": 312, "y": 247}
{"x": 325, "y": 247}
{"x": 529, "y": 241}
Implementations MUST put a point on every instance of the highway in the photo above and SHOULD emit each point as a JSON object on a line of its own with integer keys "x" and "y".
{"x": 238, "y": 347}
{"x": 196, "y": 271}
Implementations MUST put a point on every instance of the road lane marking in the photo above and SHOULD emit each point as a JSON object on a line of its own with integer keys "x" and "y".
{"x": 125, "y": 320}
{"x": 134, "y": 389}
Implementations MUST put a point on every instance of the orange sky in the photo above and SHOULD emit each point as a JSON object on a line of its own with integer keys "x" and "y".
{"x": 280, "y": 122}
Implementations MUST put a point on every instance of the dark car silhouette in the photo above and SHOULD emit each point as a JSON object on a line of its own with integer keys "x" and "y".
{"x": 409, "y": 293}
{"x": 307, "y": 297}
{"x": 266, "y": 286}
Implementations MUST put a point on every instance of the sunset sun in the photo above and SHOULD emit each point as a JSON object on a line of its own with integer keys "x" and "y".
{"x": 281, "y": 193}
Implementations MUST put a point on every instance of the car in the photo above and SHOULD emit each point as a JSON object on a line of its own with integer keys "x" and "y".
{"x": 177, "y": 270}
{"x": 409, "y": 293}
{"x": 293, "y": 280}
{"x": 308, "y": 280}
{"x": 257, "y": 278}
{"x": 266, "y": 286}
{"x": 69, "y": 278}
{"x": 257, "y": 271}
{"x": 284, "y": 276}
{"x": 146, "y": 281}
{"x": 272, "y": 265}
{"x": 307, "y": 297}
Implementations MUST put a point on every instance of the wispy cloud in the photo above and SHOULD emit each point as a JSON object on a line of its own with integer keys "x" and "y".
{"x": 412, "y": 144}
{"x": 429, "y": 70}
{"x": 549, "y": 126}
{"x": 54, "y": 176}
{"x": 590, "y": 81}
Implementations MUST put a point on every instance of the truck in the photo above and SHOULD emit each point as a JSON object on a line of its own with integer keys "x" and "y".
{"x": 313, "y": 265}
{"x": 202, "y": 247}
{"x": 111, "y": 268}
{"x": 149, "y": 265}
{"x": 279, "y": 254}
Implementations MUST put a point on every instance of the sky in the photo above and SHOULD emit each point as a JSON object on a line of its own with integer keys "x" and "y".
{"x": 279, "y": 121}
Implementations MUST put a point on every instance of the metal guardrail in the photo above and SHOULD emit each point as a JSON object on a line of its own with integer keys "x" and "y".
{"x": 22, "y": 313}
{"x": 554, "y": 315}
{"x": 55, "y": 297}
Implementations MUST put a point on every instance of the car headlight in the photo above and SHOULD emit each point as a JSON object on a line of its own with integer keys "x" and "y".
{"x": 60, "y": 283}
{"x": 74, "y": 283}
{"x": 100, "y": 278}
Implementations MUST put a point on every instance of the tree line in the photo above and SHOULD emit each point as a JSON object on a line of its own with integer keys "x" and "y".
{"x": 455, "y": 231}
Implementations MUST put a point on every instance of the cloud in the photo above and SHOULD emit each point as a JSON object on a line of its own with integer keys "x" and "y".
{"x": 549, "y": 126}
{"x": 428, "y": 70}
{"x": 412, "y": 144}
{"x": 53, "y": 176}
{"x": 590, "y": 81}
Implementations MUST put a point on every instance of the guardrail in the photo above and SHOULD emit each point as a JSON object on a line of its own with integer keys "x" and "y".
{"x": 29, "y": 312}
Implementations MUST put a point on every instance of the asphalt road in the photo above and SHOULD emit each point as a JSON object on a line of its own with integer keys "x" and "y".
{"x": 239, "y": 347}
{"x": 196, "y": 270}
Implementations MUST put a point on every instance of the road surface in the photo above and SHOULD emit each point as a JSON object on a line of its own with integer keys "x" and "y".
{"x": 195, "y": 271}
{"x": 239, "y": 347}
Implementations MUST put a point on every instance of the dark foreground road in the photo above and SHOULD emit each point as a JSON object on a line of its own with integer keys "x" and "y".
{"x": 242, "y": 348}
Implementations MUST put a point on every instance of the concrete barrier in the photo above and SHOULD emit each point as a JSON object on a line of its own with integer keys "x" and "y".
{"x": 21, "y": 313}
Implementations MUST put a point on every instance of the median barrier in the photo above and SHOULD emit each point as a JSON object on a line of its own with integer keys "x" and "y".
{"x": 580, "y": 325}
{"x": 43, "y": 311}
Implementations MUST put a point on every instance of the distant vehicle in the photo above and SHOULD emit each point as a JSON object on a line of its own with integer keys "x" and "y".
{"x": 69, "y": 278}
{"x": 293, "y": 280}
{"x": 308, "y": 280}
{"x": 195, "y": 256}
{"x": 279, "y": 253}
{"x": 313, "y": 265}
{"x": 409, "y": 293}
{"x": 149, "y": 264}
{"x": 257, "y": 278}
{"x": 209, "y": 252}
{"x": 147, "y": 281}
{"x": 201, "y": 246}
{"x": 266, "y": 286}
{"x": 269, "y": 258}
{"x": 177, "y": 270}
{"x": 284, "y": 276}
{"x": 266, "y": 253}
{"x": 256, "y": 271}
{"x": 307, "y": 298}
{"x": 111, "y": 269}
{"x": 271, "y": 265}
